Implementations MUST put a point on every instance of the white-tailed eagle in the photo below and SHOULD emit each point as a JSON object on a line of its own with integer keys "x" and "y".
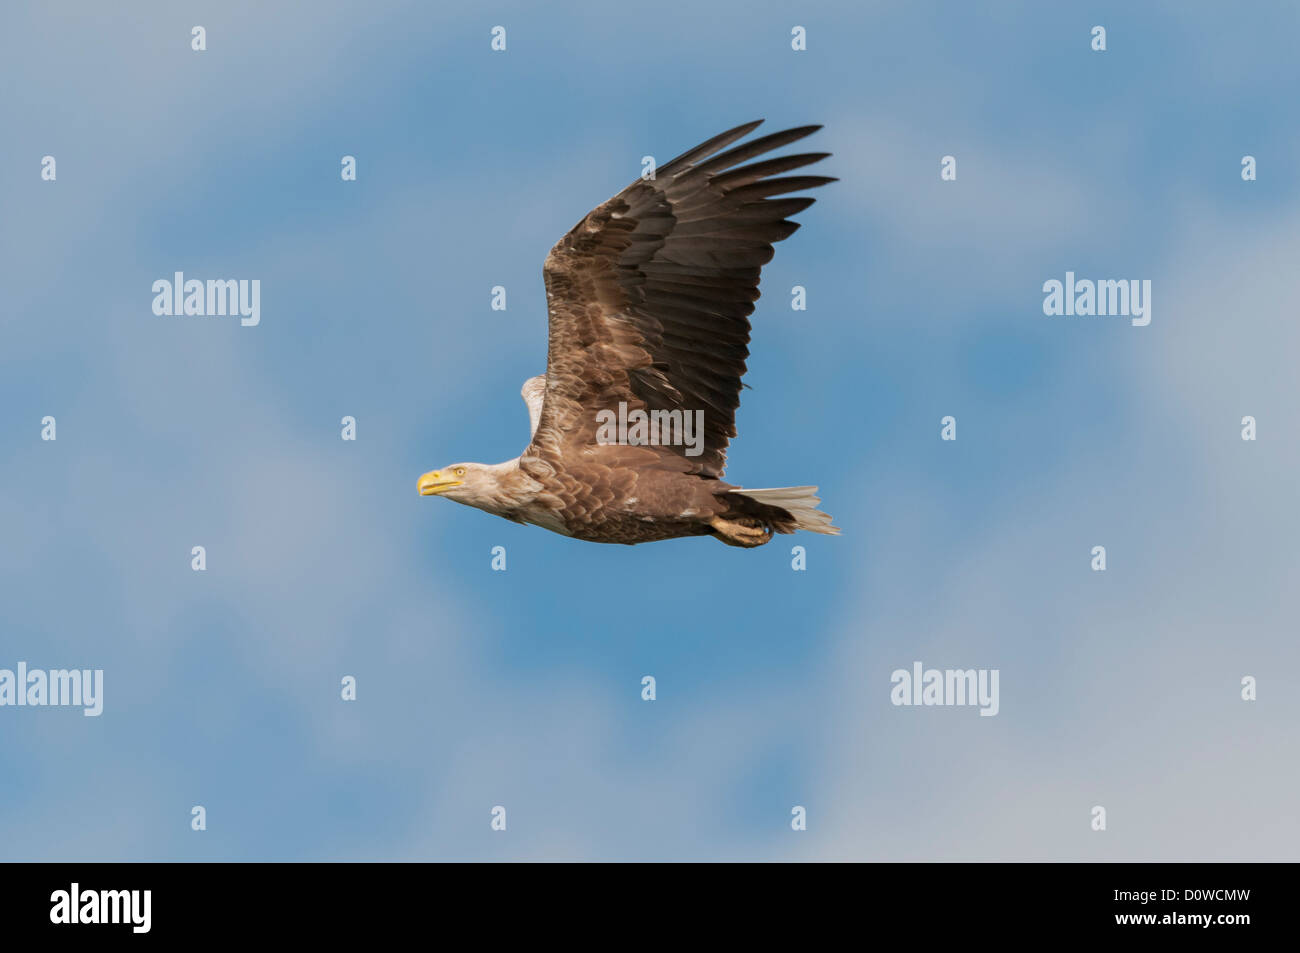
{"x": 649, "y": 299}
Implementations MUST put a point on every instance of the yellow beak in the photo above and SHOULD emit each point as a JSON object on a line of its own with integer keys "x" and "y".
{"x": 435, "y": 482}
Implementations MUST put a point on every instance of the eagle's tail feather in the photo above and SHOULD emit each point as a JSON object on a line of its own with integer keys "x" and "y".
{"x": 788, "y": 508}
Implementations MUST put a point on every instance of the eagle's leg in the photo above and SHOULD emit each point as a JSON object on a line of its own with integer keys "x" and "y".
{"x": 743, "y": 531}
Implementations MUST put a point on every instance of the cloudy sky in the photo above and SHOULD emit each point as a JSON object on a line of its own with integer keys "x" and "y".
{"x": 1120, "y": 689}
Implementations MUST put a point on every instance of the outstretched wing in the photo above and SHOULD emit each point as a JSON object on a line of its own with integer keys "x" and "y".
{"x": 650, "y": 294}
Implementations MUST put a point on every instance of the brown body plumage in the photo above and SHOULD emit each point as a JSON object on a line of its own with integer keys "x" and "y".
{"x": 649, "y": 299}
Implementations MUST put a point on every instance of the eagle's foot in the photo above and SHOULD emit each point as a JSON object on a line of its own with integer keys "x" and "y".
{"x": 745, "y": 531}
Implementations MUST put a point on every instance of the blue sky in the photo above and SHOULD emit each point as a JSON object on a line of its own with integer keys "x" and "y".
{"x": 522, "y": 688}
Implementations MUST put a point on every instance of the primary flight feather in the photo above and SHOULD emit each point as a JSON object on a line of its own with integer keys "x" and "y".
{"x": 649, "y": 299}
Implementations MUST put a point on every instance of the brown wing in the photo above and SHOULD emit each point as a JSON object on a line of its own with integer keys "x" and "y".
{"x": 650, "y": 294}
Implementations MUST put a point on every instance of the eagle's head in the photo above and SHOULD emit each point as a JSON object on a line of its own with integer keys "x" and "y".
{"x": 455, "y": 482}
{"x": 474, "y": 484}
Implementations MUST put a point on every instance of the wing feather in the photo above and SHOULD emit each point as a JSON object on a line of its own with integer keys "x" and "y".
{"x": 650, "y": 294}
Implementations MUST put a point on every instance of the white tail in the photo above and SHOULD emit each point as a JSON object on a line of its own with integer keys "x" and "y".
{"x": 800, "y": 502}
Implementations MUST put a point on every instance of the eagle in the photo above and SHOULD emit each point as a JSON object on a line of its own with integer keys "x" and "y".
{"x": 649, "y": 298}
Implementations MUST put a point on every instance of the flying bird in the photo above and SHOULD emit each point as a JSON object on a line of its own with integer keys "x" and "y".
{"x": 649, "y": 298}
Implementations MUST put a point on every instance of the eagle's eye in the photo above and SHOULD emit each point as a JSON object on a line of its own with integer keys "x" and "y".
{"x": 460, "y": 471}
